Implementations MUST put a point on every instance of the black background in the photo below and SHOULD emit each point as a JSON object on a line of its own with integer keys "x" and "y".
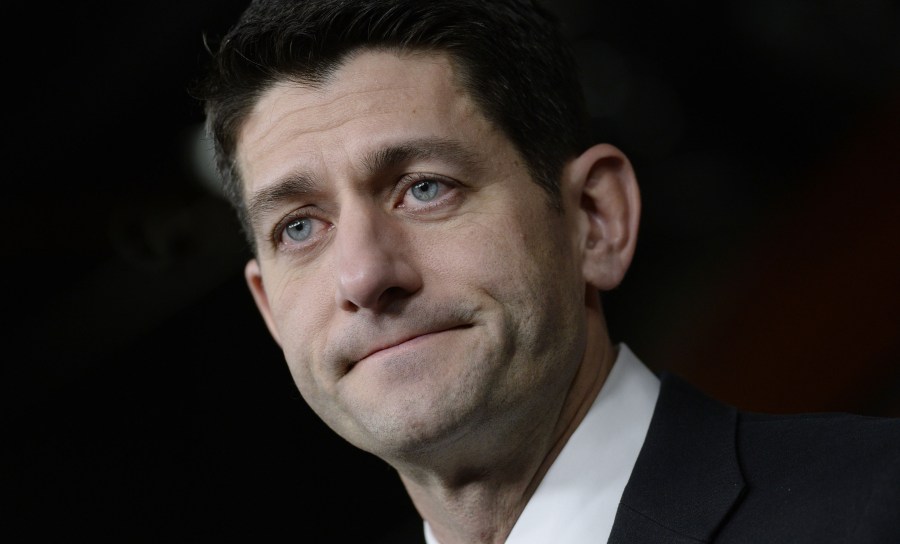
{"x": 143, "y": 398}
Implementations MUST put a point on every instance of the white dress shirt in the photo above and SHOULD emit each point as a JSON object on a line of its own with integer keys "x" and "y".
{"x": 576, "y": 501}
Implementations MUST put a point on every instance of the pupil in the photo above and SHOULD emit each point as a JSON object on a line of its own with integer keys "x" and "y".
{"x": 298, "y": 230}
{"x": 425, "y": 190}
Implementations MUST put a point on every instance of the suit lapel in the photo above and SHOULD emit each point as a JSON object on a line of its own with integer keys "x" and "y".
{"x": 686, "y": 479}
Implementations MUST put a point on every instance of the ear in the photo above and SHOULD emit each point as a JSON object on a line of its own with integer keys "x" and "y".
{"x": 603, "y": 189}
{"x": 253, "y": 275}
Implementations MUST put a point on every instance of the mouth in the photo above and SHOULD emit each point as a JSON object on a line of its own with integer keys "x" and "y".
{"x": 404, "y": 342}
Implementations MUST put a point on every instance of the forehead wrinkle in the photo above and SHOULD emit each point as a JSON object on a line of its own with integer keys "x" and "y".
{"x": 260, "y": 127}
{"x": 309, "y": 104}
{"x": 347, "y": 103}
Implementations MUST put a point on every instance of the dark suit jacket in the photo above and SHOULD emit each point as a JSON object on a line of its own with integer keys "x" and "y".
{"x": 709, "y": 473}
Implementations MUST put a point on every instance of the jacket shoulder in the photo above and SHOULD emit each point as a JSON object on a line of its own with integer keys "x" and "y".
{"x": 834, "y": 474}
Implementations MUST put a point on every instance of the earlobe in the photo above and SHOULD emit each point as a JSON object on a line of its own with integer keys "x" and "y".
{"x": 253, "y": 275}
{"x": 608, "y": 213}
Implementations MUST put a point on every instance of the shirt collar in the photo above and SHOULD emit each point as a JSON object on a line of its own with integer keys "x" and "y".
{"x": 576, "y": 501}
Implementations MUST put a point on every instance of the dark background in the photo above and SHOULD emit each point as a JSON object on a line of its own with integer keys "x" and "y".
{"x": 143, "y": 398}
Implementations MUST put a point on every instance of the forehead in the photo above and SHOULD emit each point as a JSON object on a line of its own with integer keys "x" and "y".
{"x": 375, "y": 98}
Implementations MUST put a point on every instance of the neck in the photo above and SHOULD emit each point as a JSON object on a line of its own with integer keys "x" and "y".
{"x": 480, "y": 502}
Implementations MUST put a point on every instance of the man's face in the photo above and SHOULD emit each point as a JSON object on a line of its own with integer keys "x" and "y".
{"x": 422, "y": 289}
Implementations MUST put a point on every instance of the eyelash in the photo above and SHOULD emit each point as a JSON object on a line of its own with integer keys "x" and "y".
{"x": 306, "y": 212}
{"x": 406, "y": 184}
{"x": 411, "y": 180}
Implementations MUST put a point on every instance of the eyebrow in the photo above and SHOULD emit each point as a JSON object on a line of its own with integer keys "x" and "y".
{"x": 299, "y": 183}
{"x": 264, "y": 201}
{"x": 419, "y": 149}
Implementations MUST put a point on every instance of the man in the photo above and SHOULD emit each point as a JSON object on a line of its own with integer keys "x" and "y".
{"x": 432, "y": 232}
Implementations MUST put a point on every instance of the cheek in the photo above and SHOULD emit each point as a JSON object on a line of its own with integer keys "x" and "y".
{"x": 301, "y": 293}
{"x": 515, "y": 257}
{"x": 300, "y": 301}
{"x": 475, "y": 253}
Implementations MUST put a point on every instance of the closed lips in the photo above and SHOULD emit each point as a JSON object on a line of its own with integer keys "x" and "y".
{"x": 406, "y": 339}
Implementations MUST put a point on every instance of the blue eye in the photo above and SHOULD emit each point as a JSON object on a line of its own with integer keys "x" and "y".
{"x": 299, "y": 229}
{"x": 425, "y": 190}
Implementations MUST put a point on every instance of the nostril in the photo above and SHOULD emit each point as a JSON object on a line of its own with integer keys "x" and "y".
{"x": 394, "y": 297}
{"x": 394, "y": 292}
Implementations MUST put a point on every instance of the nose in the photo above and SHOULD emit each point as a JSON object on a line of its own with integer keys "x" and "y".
{"x": 374, "y": 267}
